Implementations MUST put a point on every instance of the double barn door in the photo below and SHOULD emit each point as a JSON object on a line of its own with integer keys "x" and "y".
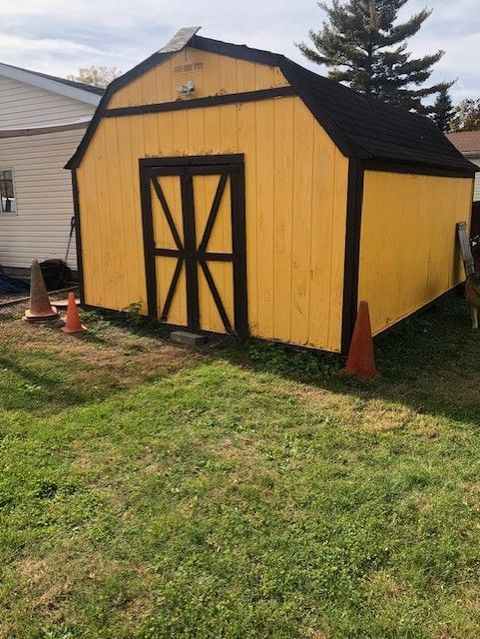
{"x": 194, "y": 240}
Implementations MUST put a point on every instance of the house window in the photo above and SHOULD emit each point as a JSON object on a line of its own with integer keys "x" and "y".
{"x": 8, "y": 202}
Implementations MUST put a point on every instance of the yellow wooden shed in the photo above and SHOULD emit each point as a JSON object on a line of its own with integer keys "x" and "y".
{"x": 230, "y": 190}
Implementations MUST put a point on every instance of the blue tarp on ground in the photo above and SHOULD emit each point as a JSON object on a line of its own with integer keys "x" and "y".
{"x": 12, "y": 284}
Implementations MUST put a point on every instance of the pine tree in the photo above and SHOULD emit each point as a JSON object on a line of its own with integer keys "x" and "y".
{"x": 443, "y": 111}
{"x": 363, "y": 46}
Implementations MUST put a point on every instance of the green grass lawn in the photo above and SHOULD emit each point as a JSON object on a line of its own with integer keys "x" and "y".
{"x": 148, "y": 491}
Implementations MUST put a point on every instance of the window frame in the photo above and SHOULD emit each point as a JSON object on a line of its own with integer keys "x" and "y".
{"x": 9, "y": 213}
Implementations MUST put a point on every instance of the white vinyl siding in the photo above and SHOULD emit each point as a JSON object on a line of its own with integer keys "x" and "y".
{"x": 476, "y": 195}
{"x": 43, "y": 188}
{"x": 40, "y": 228}
{"x": 23, "y": 106}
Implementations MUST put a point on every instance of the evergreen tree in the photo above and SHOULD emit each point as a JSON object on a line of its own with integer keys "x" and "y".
{"x": 443, "y": 111}
{"x": 363, "y": 46}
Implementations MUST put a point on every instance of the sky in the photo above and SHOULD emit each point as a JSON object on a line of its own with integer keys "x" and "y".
{"x": 60, "y": 36}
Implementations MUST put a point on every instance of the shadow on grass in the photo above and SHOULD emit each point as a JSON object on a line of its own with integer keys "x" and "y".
{"x": 429, "y": 363}
{"x": 50, "y": 372}
{"x": 34, "y": 389}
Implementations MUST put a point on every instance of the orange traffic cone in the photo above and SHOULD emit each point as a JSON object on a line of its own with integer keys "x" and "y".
{"x": 40, "y": 307}
{"x": 72, "y": 323}
{"x": 361, "y": 357}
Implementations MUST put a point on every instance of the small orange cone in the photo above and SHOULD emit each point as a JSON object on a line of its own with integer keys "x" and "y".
{"x": 40, "y": 307}
{"x": 72, "y": 323}
{"x": 361, "y": 357}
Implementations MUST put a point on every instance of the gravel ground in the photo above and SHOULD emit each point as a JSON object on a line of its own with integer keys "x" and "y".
{"x": 6, "y": 298}
{"x": 9, "y": 308}
{"x": 11, "y": 297}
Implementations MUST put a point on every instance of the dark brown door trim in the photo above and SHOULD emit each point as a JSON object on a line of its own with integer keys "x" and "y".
{"x": 191, "y": 251}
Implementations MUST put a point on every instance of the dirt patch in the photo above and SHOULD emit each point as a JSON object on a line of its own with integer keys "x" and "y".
{"x": 372, "y": 414}
{"x": 33, "y": 570}
{"x": 48, "y": 585}
{"x": 312, "y": 633}
{"x": 107, "y": 355}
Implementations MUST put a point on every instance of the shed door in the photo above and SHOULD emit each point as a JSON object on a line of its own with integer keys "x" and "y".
{"x": 194, "y": 238}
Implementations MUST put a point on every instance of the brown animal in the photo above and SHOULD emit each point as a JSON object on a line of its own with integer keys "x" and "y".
{"x": 472, "y": 295}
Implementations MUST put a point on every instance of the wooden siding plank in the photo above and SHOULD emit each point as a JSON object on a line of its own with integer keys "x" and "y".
{"x": 339, "y": 169}
{"x": 180, "y": 133}
{"x": 302, "y": 222}
{"x": 284, "y": 223}
{"x": 92, "y": 263}
{"x": 151, "y": 135}
{"x": 245, "y": 76}
{"x": 108, "y": 251}
{"x": 247, "y": 127}
{"x": 137, "y": 142}
{"x": 196, "y": 131}
{"x": 322, "y": 245}
{"x": 119, "y": 276}
{"x": 265, "y": 188}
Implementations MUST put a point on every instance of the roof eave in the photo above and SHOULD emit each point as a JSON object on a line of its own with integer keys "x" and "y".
{"x": 41, "y": 82}
{"x": 462, "y": 169}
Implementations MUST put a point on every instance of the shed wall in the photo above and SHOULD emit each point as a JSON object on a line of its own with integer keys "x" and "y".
{"x": 408, "y": 246}
{"x": 296, "y": 195}
{"x": 211, "y": 73}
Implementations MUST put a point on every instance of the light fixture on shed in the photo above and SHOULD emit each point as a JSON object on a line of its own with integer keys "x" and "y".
{"x": 186, "y": 89}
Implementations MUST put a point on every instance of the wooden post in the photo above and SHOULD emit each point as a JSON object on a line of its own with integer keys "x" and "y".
{"x": 468, "y": 261}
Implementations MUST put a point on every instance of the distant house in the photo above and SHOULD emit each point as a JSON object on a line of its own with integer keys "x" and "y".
{"x": 468, "y": 142}
{"x": 42, "y": 120}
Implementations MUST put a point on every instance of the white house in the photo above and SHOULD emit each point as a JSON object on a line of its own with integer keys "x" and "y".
{"x": 42, "y": 120}
{"x": 468, "y": 143}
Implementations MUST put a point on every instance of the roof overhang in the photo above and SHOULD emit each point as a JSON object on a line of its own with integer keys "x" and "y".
{"x": 44, "y": 129}
{"x": 47, "y": 84}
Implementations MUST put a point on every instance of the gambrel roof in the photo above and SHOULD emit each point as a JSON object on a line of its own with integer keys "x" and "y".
{"x": 361, "y": 127}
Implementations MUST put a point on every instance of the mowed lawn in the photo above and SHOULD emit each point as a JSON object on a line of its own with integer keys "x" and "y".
{"x": 151, "y": 491}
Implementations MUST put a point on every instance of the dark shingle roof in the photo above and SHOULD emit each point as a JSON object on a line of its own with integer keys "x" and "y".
{"x": 77, "y": 85}
{"x": 383, "y": 132}
{"x": 370, "y": 129}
